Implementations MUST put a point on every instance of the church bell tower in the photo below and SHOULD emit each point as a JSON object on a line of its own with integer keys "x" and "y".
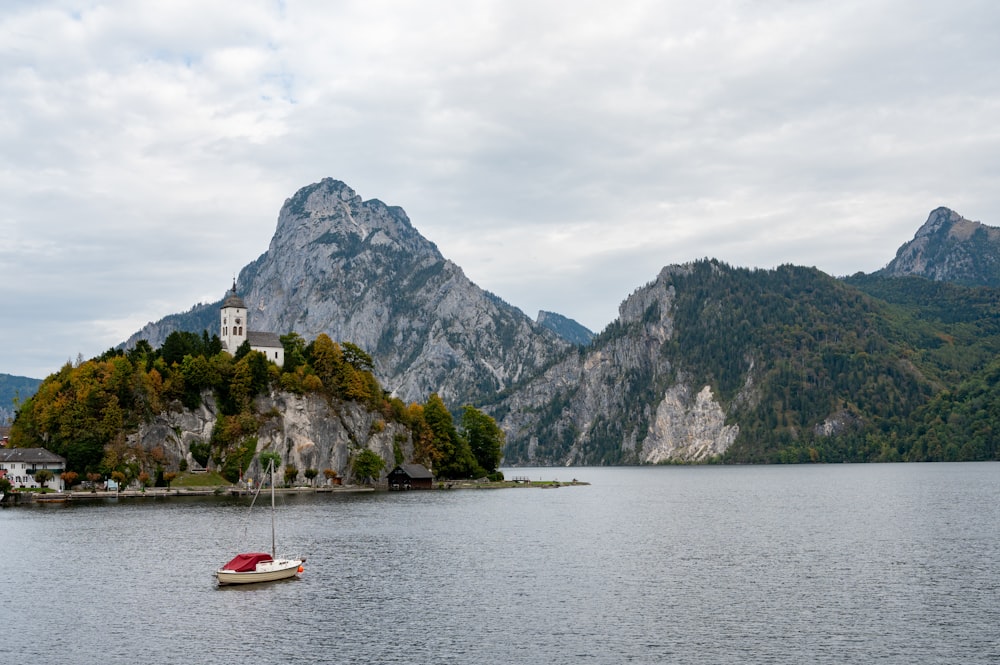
{"x": 233, "y": 321}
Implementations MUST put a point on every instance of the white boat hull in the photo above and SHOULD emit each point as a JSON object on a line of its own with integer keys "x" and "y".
{"x": 266, "y": 571}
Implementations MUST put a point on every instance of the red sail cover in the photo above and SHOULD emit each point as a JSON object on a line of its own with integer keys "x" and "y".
{"x": 245, "y": 563}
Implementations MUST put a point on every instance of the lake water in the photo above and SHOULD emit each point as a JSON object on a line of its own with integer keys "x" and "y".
{"x": 769, "y": 564}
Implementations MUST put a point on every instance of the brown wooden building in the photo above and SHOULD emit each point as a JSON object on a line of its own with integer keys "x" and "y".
{"x": 411, "y": 477}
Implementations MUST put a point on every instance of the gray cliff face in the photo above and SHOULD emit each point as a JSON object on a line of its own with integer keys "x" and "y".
{"x": 950, "y": 248}
{"x": 304, "y": 429}
{"x": 622, "y": 391}
{"x": 359, "y": 272}
{"x": 688, "y": 429}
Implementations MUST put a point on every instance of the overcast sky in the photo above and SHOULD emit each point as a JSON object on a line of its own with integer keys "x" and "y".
{"x": 561, "y": 153}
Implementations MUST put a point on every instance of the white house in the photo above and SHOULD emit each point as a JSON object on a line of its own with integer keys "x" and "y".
{"x": 18, "y": 465}
{"x": 234, "y": 330}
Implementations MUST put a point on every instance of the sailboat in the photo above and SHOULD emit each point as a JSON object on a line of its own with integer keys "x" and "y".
{"x": 252, "y": 567}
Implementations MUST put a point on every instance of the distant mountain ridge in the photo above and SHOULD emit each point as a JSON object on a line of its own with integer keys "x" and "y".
{"x": 14, "y": 388}
{"x": 566, "y": 328}
{"x": 950, "y": 248}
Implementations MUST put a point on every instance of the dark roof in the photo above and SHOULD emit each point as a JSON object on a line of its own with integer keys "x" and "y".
{"x": 414, "y": 470}
{"x": 233, "y": 300}
{"x": 29, "y": 456}
{"x": 267, "y": 339}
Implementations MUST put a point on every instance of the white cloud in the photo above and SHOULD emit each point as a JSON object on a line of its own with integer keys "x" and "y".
{"x": 561, "y": 153}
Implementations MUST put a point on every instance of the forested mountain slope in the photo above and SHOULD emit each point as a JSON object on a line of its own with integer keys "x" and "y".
{"x": 741, "y": 365}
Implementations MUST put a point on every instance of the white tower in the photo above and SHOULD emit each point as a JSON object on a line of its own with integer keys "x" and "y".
{"x": 233, "y": 322}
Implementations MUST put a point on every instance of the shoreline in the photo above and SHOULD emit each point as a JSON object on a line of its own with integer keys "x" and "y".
{"x": 22, "y": 498}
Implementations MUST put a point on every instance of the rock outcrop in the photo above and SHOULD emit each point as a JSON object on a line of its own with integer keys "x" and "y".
{"x": 619, "y": 400}
{"x": 950, "y": 248}
{"x": 306, "y": 430}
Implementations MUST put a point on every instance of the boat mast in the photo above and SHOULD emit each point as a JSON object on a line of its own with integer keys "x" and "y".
{"x": 274, "y": 549}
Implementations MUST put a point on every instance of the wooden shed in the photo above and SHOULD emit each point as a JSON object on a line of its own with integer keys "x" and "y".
{"x": 411, "y": 477}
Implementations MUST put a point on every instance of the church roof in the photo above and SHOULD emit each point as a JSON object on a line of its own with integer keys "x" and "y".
{"x": 233, "y": 300}
{"x": 264, "y": 339}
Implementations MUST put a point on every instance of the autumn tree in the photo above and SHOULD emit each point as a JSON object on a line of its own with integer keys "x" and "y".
{"x": 424, "y": 447}
{"x": 69, "y": 478}
{"x": 327, "y": 359}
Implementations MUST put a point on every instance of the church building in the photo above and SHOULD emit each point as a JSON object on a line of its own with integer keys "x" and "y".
{"x": 233, "y": 331}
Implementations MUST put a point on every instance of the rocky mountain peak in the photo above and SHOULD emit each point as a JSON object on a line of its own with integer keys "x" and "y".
{"x": 950, "y": 248}
{"x": 941, "y": 220}
{"x": 329, "y": 212}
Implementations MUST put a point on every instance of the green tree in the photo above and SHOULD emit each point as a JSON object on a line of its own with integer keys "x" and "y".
{"x": 271, "y": 459}
{"x": 295, "y": 352}
{"x": 179, "y": 344}
{"x": 367, "y": 465}
{"x": 291, "y": 474}
{"x": 242, "y": 350}
{"x": 311, "y": 474}
{"x": 43, "y": 476}
{"x": 200, "y": 451}
{"x": 360, "y": 360}
{"x": 486, "y": 439}
{"x": 241, "y": 385}
{"x": 259, "y": 373}
{"x": 456, "y": 459}
{"x": 141, "y": 355}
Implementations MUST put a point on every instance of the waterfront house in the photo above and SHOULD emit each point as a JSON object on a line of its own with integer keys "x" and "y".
{"x": 410, "y": 476}
{"x": 20, "y": 465}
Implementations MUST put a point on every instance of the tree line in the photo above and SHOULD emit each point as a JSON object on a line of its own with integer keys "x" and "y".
{"x": 85, "y": 411}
